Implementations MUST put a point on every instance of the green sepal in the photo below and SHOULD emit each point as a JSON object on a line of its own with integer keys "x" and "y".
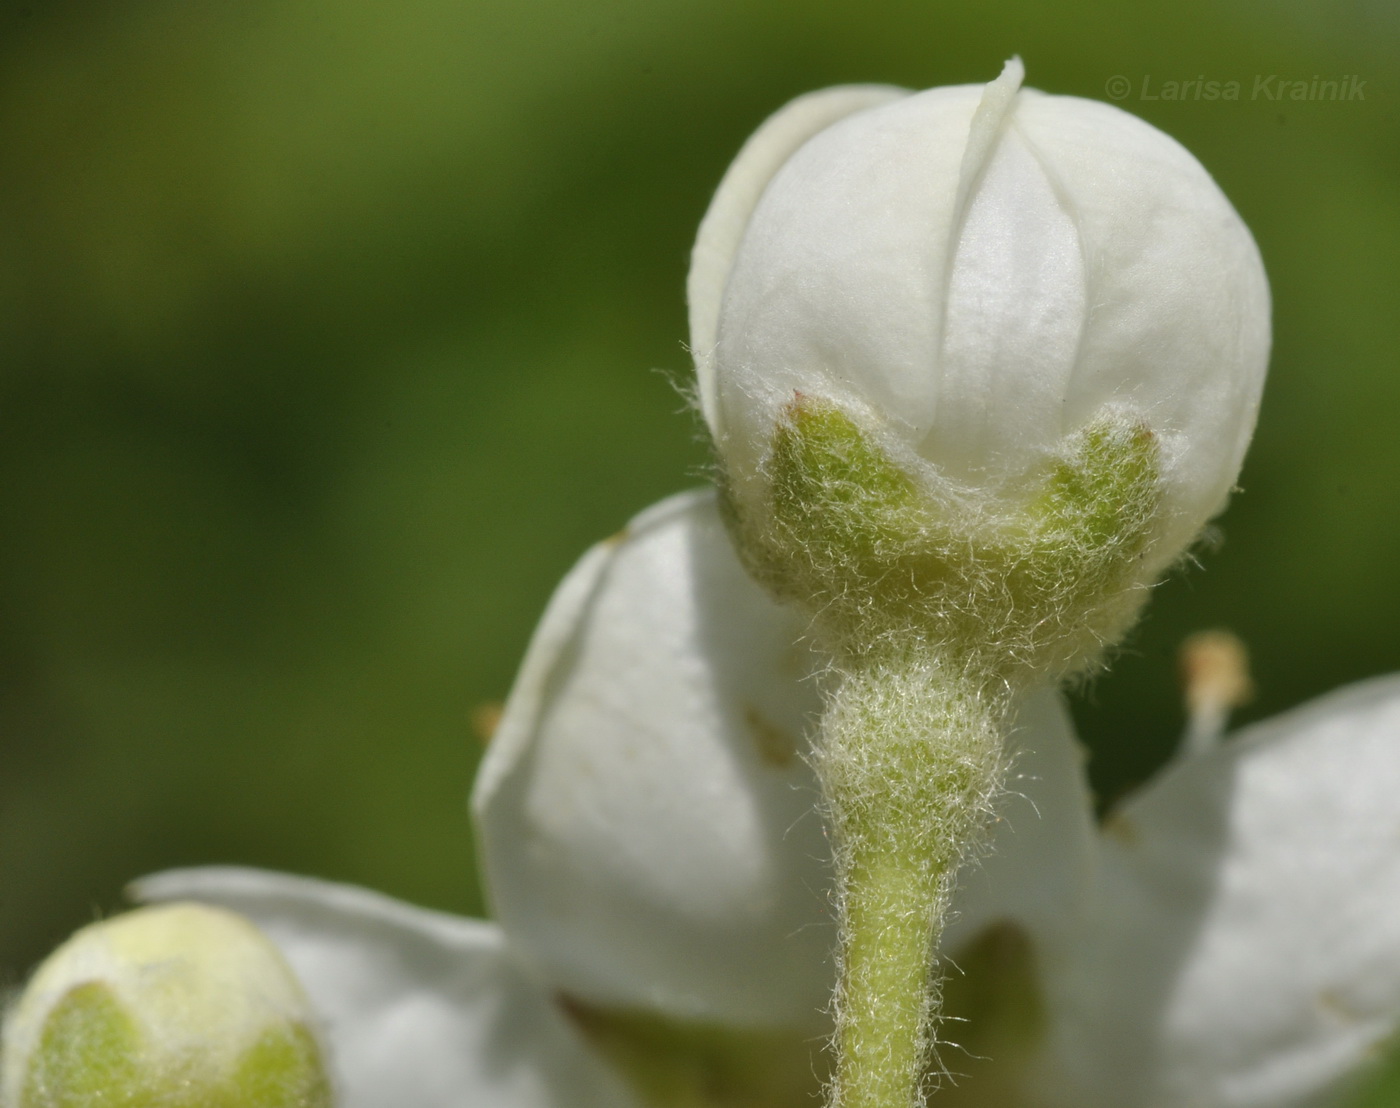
{"x": 283, "y": 1069}
{"x": 1043, "y": 573}
{"x": 88, "y": 1054}
{"x": 1103, "y": 487}
{"x": 823, "y": 464}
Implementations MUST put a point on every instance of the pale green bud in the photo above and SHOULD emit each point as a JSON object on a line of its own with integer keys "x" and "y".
{"x": 179, "y": 1006}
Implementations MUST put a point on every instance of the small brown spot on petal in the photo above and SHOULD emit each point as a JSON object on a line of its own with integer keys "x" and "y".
{"x": 1330, "y": 1001}
{"x": 776, "y": 746}
{"x": 1120, "y": 827}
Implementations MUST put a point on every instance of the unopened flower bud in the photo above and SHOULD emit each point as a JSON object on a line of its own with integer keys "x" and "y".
{"x": 180, "y": 1006}
{"x": 982, "y": 289}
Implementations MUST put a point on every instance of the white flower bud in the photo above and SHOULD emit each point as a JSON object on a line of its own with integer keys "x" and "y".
{"x": 179, "y": 1006}
{"x": 974, "y": 275}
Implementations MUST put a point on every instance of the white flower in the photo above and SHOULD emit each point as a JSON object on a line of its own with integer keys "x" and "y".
{"x": 974, "y": 274}
{"x": 1230, "y": 940}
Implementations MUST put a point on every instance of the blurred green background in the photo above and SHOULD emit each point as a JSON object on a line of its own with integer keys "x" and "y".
{"x": 333, "y": 331}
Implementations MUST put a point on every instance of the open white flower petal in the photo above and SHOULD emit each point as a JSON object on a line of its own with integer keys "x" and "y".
{"x": 418, "y": 1009}
{"x": 647, "y": 822}
{"x": 1244, "y": 951}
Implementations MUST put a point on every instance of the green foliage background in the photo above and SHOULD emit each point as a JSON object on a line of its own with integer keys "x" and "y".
{"x": 330, "y": 337}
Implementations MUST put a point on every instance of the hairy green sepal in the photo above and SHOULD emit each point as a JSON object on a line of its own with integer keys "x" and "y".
{"x": 1039, "y": 576}
{"x": 88, "y": 1054}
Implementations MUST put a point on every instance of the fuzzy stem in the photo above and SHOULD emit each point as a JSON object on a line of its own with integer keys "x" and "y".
{"x": 910, "y": 760}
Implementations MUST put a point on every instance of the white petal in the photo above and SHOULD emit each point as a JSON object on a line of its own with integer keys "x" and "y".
{"x": 1246, "y": 951}
{"x": 838, "y": 285}
{"x": 1177, "y": 325}
{"x": 419, "y": 1009}
{"x": 734, "y": 201}
{"x": 1016, "y": 298}
{"x": 647, "y": 821}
